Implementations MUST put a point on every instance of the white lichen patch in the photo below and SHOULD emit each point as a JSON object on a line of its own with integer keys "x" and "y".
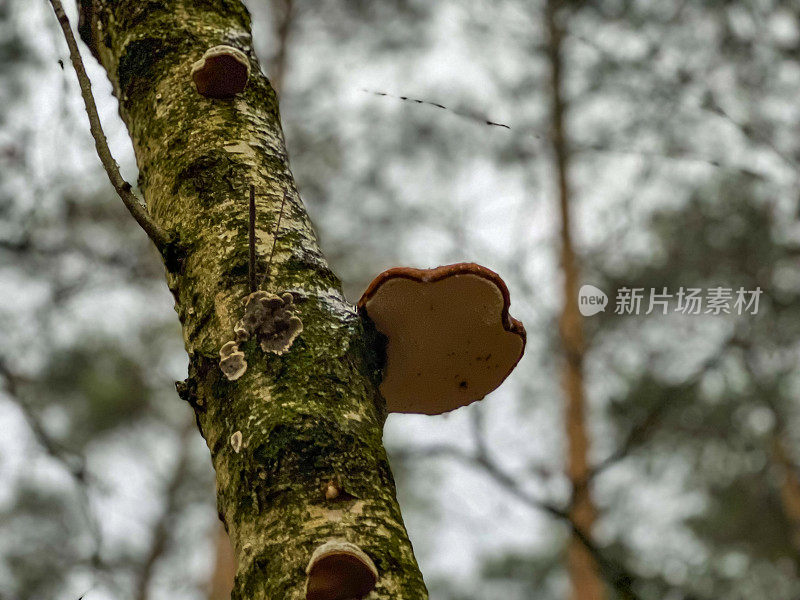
{"x": 332, "y": 299}
{"x": 319, "y": 516}
{"x": 270, "y": 319}
{"x": 236, "y": 441}
{"x": 231, "y": 361}
{"x": 240, "y": 148}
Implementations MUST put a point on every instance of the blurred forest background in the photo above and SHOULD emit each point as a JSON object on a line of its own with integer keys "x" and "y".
{"x": 680, "y": 148}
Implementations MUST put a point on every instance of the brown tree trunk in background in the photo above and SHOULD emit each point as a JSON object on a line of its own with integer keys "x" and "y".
{"x": 162, "y": 531}
{"x": 283, "y": 12}
{"x": 789, "y": 486}
{"x": 221, "y": 584}
{"x": 585, "y": 580}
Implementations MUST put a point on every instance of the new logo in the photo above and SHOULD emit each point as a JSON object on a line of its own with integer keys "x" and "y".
{"x": 591, "y": 300}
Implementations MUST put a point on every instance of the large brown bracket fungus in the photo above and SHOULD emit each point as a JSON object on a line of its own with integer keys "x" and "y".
{"x": 340, "y": 570}
{"x": 450, "y": 338}
{"x": 222, "y": 72}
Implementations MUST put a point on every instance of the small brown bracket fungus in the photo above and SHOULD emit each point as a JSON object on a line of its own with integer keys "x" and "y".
{"x": 271, "y": 319}
{"x": 232, "y": 361}
{"x": 331, "y": 489}
{"x": 339, "y": 570}
{"x": 222, "y": 72}
{"x": 451, "y": 340}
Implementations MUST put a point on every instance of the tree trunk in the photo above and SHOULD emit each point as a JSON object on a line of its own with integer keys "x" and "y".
{"x": 221, "y": 582}
{"x": 308, "y": 416}
{"x": 789, "y": 485}
{"x": 583, "y": 572}
{"x": 283, "y": 13}
{"x": 162, "y": 529}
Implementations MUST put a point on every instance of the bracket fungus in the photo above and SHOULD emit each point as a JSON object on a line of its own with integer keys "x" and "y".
{"x": 271, "y": 319}
{"x": 340, "y": 570}
{"x": 222, "y": 72}
{"x": 331, "y": 489}
{"x": 450, "y": 338}
{"x": 232, "y": 361}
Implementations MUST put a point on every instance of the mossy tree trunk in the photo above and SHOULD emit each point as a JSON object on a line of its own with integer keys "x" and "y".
{"x": 308, "y": 416}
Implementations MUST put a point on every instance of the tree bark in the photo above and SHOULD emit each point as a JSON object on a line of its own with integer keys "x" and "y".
{"x": 308, "y": 416}
{"x": 585, "y": 580}
{"x": 283, "y": 13}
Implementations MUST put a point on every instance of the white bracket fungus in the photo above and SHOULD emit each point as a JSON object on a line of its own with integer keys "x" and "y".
{"x": 331, "y": 489}
{"x": 232, "y": 361}
{"x": 271, "y": 320}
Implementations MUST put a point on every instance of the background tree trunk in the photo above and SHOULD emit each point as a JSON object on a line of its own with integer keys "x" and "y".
{"x": 283, "y": 13}
{"x": 583, "y": 572}
{"x": 221, "y": 582}
{"x": 789, "y": 484}
{"x": 308, "y": 416}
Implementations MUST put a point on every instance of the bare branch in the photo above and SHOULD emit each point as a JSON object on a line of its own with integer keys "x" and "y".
{"x": 122, "y": 187}
{"x": 637, "y": 434}
{"x": 464, "y": 113}
{"x": 73, "y": 463}
{"x": 616, "y": 575}
{"x": 162, "y": 530}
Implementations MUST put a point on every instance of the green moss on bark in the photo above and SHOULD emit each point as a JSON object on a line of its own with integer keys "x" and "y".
{"x": 308, "y": 416}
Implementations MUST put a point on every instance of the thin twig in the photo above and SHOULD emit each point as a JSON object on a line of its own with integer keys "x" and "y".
{"x": 252, "y": 240}
{"x": 275, "y": 238}
{"x": 461, "y": 112}
{"x": 74, "y": 464}
{"x": 639, "y": 431}
{"x": 680, "y": 156}
{"x": 122, "y": 187}
{"x": 615, "y": 574}
{"x": 163, "y": 528}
